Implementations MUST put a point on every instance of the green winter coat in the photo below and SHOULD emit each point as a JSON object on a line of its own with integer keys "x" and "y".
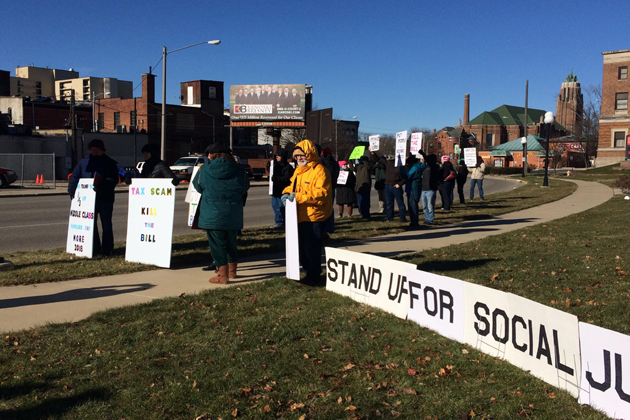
{"x": 223, "y": 184}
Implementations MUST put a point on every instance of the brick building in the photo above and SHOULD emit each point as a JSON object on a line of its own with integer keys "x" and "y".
{"x": 614, "y": 120}
{"x": 570, "y": 105}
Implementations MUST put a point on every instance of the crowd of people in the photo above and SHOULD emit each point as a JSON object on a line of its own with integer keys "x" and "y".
{"x": 314, "y": 180}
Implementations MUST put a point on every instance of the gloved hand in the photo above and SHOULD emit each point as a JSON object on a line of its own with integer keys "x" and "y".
{"x": 291, "y": 197}
{"x": 284, "y": 199}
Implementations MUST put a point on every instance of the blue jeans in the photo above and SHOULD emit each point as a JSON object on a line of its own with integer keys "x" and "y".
{"x": 278, "y": 211}
{"x": 363, "y": 202}
{"x": 392, "y": 193}
{"x": 428, "y": 205}
{"x": 479, "y": 183}
{"x": 412, "y": 203}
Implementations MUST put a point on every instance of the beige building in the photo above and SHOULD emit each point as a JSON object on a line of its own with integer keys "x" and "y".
{"x": 85, "y": 87}
{"x": 39, "y": 82}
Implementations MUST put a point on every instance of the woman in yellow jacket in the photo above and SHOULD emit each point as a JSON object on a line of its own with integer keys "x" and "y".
{"x": 311, "y": 188}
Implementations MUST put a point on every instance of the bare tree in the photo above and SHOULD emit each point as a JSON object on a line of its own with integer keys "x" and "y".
{"x": 590, "y": 120}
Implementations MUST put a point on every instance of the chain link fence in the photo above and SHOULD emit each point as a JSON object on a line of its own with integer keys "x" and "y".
{"x": 34, "y": 170}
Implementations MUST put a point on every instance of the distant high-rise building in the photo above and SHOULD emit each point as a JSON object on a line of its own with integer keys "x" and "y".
{"x": 570, "y": 105}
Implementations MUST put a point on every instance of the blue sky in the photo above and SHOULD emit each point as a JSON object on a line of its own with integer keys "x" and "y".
{"x": 394, "y": 64}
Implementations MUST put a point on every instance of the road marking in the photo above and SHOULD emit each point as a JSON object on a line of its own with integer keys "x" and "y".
{"x": 23, "y": 226}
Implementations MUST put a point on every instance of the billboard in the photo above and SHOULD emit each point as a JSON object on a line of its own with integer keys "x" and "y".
{"x": 268, "y": 102}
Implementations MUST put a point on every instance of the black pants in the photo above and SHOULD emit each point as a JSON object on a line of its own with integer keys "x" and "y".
{"x": 310, "y": 243}
{"x": 460, "y": 191}
{"x": 104, "y": 211}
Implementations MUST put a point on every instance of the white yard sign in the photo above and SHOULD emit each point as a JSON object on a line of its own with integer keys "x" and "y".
{"x": 291, "y": 240}
{"x": 401, "y": 148}
{"x": 416, "y": 143}
{"x": 150, "y": 221}
{"x": 342, "y": 178}
{"x": 374, "y": 143}
{"x": 81, "y": 225}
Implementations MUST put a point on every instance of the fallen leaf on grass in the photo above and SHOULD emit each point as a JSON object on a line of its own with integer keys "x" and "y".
{"x": 409, "y": 391}
{"x": 296, "y": 406}
{"x": 350, "y": 408}
{"x": 412, "y": 372}
{"x": 267, "y": 408}
{"x": 347, "y": 367}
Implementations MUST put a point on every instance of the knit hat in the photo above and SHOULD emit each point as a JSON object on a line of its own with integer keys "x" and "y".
{"x": 327, "y": 151}
{"x": 97, "y": 143}
{"x": 218, "y": 148}
{"x": 342, "y": 162}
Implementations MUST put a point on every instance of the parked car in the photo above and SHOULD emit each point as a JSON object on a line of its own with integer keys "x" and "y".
{"x": 183, "y": 167}
{"x": 125, "y": 173}
{"x": 7, "y": 176}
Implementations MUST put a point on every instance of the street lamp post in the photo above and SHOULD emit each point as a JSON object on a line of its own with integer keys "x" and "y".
{"x": 548, "y": 124}
{"x": 163, "y": 124}
{"x": 94, "y": 123}
{"x": 524, "y": 143}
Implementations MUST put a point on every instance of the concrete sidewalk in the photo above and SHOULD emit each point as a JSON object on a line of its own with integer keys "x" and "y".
{"x": 28, "y": 306}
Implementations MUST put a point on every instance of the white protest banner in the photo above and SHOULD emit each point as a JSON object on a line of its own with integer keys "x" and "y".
{"x": 416, "y": 143}
{"x": 192, "y": 196}
{"x": 401, "y": 148}
{"x": 470, "y": 156}
{"x": 150, "y": 221}
{"x": 368, "y": 279}
{"x": 484, "y": 326}
{"x": 342, "y": 178}
{"x": 374, "y": 143}
{"x": 542, "y": 340}
{"x": 80, "y": 238}
{"x": 291, "y": 240}
{"x": 437, "y": 302}
{"x": 271, "y": 168}
{"x": 604, "y": 384}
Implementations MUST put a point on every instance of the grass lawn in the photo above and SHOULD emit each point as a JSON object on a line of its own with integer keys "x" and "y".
{"x": 274, "y": 350}
{"x": 188, "y": 250}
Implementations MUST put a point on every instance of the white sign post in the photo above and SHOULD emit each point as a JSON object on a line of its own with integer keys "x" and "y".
{"x": 374, "y": 143}
{"x": 401, "y": 148}
{"x": 150, "y": 221}
{"x": 81, "y": 225}
{"x": 291, "y": 240}
{"x": 470, "y": 156}
{"x": 416, "y": 143}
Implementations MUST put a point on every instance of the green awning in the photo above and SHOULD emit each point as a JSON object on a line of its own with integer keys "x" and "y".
{"x": 501, "y": 153}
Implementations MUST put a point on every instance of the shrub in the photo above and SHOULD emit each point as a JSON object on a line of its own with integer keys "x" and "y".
{"x": 623, "y": 183}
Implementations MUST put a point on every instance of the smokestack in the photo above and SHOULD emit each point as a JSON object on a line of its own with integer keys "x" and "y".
{"x": 466, "y": 108}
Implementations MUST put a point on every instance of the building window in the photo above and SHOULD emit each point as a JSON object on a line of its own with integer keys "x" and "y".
{"x": 623, "y": 73}
{"x": 489, "y": 138}
{"x": 620, "y": 138}
{"x": 621, "y": 101}
{"x": 116, "y": 119}
{"x": 101, "y": 120}
{"x": 132, "y": 118}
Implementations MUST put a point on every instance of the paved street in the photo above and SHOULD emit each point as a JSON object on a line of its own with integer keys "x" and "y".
{"x": 30, "y": 222}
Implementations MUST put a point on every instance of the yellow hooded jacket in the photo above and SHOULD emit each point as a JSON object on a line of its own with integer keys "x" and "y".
{"x": 313, "y": 188}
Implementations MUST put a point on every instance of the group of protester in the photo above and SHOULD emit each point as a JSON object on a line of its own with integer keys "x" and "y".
{"x": 312, "y": 181}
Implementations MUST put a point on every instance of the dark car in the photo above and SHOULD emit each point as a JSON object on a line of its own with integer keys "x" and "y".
{"x": 125, "y": 173}
{"x": 7, "y": 176}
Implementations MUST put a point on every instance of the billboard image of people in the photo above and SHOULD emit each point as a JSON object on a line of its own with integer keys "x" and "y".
{"x": 268, "y": 102}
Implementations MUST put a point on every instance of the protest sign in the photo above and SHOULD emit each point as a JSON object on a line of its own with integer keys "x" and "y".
{"x": 470, "y": 156}
{"x": 357, "y": 152}
{"x": 416, "y": 143}
{"x": 401, "y": 148}
{"x": 150, "y": 221}
{"x": 342, "y": 178}
{"x": 368, "y": 279}
{"x": 604, "y": 384}
{"x": 436, "y": 302}
{"x": 374, "y": 143}
{"x": 292, "y": 244}
{"x": 80, "y": 238}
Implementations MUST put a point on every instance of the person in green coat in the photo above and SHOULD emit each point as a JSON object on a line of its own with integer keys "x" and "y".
{"x": 223, "y": 185}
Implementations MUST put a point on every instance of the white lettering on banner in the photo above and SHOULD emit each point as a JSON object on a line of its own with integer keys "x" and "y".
{"x": 376, "y": 281}
{"x": 437, "y": 302}
{"x": 253, "y": 109}
{"x": 603, "y": 384}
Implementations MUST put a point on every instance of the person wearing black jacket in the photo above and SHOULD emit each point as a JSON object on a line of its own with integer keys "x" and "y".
{"x": 430, "y": 179}
{"x": 154, "y": 167}
{"x": 462, "y": 176}
{"x": 394, "y": 187}
{"x": 104, "y": 170}
{"x": 364, "y": 186}
{"x": 326, "y": 158}
{"x": 446, "y": 185}
{"x": 282, "y": 173}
